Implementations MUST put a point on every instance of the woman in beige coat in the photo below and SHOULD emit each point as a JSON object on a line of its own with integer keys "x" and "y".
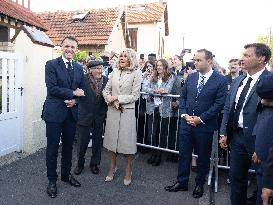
{"x": 120, "y": 93}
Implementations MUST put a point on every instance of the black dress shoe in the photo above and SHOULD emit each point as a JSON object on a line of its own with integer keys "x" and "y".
{"x": 176, "y": 187}
{"x": 94, "y": 169}
{"x": 151, "y": 159}
{"x": 198, "y": 191}
{"x": 71, "y": 180}
{"x": 157, "y": 161}
{"x": 78, "y": 170}
{"x": 51, "y": 189}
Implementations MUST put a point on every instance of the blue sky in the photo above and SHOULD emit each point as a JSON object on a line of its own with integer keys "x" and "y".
{"x": 221, "y": 26}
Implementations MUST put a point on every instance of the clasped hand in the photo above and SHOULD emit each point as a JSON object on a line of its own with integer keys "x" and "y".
{"x": 192, "y": 120}
{"x": 161, "y": 91}
{"x": 78, "y": 92}
{"x": 70, "y": 103}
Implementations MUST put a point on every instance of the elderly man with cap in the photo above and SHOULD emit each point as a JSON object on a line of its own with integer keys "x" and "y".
{"x": 91, "y": 115}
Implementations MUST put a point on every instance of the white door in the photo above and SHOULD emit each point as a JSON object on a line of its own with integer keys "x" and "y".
{"x": 11, "y": 91}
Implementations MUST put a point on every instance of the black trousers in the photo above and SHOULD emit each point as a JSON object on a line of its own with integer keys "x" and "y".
{"x": 55, "y": 131}
{"x": 240, "y": 162}
{"x": 84, "y": 138}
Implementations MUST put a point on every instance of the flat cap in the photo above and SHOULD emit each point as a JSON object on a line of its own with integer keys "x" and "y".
{"x": 94, "y": 63}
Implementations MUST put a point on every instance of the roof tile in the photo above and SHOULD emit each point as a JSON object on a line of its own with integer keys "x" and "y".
{"x": 18, "y": 12}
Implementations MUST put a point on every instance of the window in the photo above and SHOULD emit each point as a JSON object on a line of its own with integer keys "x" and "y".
{"x": 133, "y": 38}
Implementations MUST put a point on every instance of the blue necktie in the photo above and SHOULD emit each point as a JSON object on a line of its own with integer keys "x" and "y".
{"x": 200, "y": 85}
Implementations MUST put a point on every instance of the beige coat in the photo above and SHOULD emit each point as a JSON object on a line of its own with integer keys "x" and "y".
{"x": 120, "y": 130}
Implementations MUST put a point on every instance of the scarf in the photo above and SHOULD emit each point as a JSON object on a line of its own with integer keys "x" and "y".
{"x": 96, "y": 85}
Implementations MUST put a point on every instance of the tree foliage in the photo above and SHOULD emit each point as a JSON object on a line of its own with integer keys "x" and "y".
{"x": 265, "y": 40}
{"x": 80, "y": 56}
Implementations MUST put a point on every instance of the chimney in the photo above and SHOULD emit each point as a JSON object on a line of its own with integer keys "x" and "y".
{"x": 23, "y": 3}
{"x": 28, "y": 5}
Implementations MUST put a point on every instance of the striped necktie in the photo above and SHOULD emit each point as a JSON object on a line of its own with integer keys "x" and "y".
{"x": 200, "y": 85}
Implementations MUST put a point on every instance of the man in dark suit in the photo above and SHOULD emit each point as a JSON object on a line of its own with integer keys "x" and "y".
{"x": 234, "y": 70}
{"x": 64, "y": 82}
{"x": 263, "y": 130}
{"x": 203, "y": 98}
{"x": 240, "y": 117}
{"x": 91, "y": 116}
{"x": 267, "y": 191}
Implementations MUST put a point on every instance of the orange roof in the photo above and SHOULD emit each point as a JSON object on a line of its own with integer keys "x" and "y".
{"x": 94, "y": 28}
{"x": 144, "y": 13}
{"x": 20, "y": 13}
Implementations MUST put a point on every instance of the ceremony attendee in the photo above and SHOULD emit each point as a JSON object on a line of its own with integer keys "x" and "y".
{"x": 203, "y": 97}
{"x": 240, "y": 117}
{"x": 263, "y": 130}
{"x": 234, "y": 70}
{"x": 267, "y": 191}
{"x": 121, "y": 93}
{"x": 158, "y": 108}
{"x": 91, "y": 115}
{"x": 141, "y": 106}
{"x": 64, "y": 81}
{"x": 141, "y": 61}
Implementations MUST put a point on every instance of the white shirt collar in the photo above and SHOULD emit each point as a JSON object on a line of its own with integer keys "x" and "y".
{"x": 207, "y": 75}
{"x": 255, "y": 76}
{"x": 65, "y": 60}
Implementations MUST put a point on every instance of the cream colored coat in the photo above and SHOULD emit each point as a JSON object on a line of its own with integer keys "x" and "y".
{"x": 120, "y": 131}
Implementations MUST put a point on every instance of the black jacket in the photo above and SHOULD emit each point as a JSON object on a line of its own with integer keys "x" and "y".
{"x": 91, "y": 107}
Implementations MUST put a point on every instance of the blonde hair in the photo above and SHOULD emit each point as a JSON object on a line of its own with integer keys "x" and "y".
{"x": 132, "y": 58}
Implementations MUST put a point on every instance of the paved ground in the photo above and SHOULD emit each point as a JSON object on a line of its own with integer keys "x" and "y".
{"x": 23, "y": 182}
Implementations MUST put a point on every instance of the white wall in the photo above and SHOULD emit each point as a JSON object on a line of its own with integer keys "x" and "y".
{"x": 146, "y": 38}
{"x": 116, "y": 42}
{"x": 34, "y": 59}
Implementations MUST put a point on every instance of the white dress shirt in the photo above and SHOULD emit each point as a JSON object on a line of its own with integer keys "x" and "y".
{"x": 207, "y": 76}
{"x": 66, "y": 61}
{"x": 255, "y": 78}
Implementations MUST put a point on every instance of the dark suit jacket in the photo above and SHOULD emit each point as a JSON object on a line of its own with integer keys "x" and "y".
{"x": 229, "y": 79}
{"x": 263, "y": 129}
{"x": 60, "y": 88}
{"x": 208, "y": 104}
{"x": 249, "y": 112}
{"x": 91, "y": 107}
{"x": 268, "y": 170}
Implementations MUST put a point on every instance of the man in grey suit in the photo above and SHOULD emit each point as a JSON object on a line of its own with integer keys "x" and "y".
{"x": 240, "y": 117}
{"x": 91, "y": 116}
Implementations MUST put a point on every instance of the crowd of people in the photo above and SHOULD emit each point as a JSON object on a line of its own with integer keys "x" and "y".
{"x": 106, "y": 100}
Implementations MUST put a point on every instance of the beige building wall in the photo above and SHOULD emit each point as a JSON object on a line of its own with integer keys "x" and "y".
{"x": 116, "y": 42}
{"x": 34, "y": 58}
{"x": 149, "y": 38}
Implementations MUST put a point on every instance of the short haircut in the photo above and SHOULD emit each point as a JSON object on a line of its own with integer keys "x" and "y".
{"x": 234, "y": 60}
{"x": 208, "y": 54}
{"x": 72, "y": 38}
{"x": 260, "y": 50}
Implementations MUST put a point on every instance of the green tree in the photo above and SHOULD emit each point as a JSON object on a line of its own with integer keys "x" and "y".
{"x": 265, "y": 39}
{"x": 80, "y": 56}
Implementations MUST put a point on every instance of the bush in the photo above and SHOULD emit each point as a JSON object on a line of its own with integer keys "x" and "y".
{"x": 80, "y": 56}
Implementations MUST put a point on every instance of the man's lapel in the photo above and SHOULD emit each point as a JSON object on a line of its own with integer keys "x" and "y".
{"x": 235, "y": 89}
{"x": 62, "y": 66}
{"x": 195, "y": 83}
{"x": 254, "y": 87}
{"x": 210, "y": 80}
